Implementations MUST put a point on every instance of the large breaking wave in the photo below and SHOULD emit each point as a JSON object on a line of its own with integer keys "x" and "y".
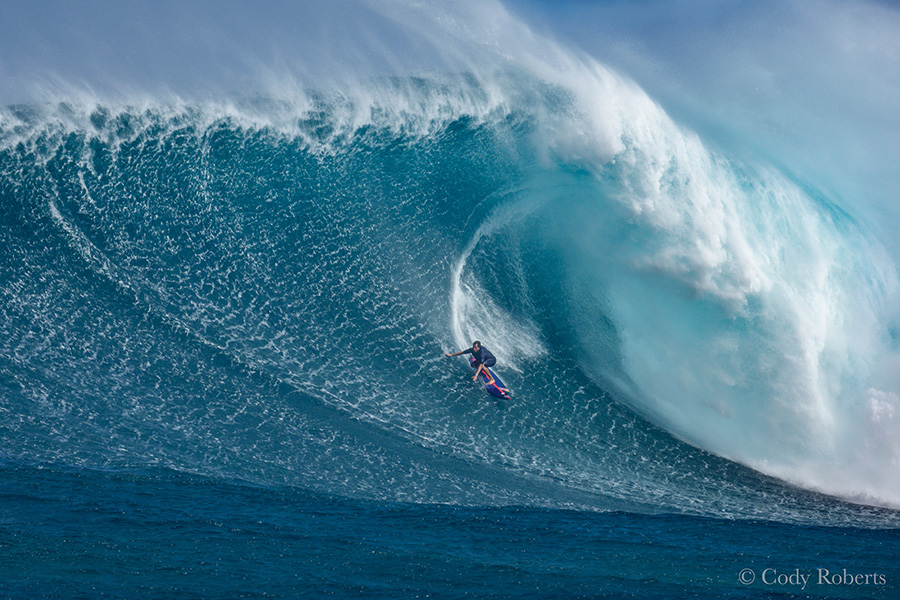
{"x": 262, "y": 290}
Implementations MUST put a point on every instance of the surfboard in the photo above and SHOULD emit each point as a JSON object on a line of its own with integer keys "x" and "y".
{"x": 492, "y": 383}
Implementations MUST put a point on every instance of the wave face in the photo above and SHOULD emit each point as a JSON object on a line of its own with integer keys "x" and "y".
{"x": 262, "y": 290}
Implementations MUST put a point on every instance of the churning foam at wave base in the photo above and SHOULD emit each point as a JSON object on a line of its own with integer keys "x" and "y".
{"x": 752, "y": 322}
{"x": 754, "y": 319}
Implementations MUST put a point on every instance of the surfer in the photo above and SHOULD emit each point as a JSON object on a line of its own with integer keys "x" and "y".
{"x": 482, "y": 356}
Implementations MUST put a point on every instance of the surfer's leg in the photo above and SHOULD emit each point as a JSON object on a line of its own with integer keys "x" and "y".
{"x": 478, "y": 371}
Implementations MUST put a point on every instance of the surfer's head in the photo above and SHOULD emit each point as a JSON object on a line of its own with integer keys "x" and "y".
{"x": 476, "y": 344}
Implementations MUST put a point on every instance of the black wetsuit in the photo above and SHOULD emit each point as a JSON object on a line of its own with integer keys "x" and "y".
{"x": 482, "y": 356}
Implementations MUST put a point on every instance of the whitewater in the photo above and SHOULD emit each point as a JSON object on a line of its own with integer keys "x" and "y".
{"x": 245, "y": 297}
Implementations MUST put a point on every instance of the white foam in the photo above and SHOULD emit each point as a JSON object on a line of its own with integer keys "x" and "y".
{"x": 474, "y": 313}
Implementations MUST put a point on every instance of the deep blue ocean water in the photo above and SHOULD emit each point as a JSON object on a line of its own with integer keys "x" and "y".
{"x": 222, "y": 369}
{"x": 157, "y": 534}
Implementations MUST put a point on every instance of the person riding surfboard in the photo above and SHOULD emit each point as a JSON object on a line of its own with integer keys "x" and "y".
{"x": 482, "y": 357}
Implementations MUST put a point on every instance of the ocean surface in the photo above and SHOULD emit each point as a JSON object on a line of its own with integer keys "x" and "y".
{"x": 224, "y": 318}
